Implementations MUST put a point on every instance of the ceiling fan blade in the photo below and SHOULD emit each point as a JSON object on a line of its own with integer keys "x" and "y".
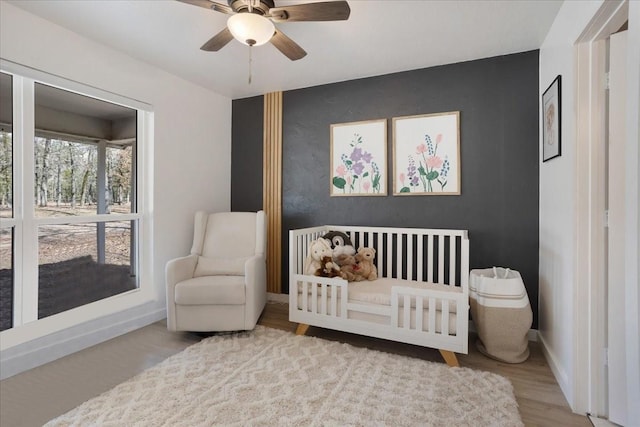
{"x": 323, "y": 11}
{"x": 218, "y": 41}
{"x": 287, "y": 46}
{"x": 218, "y": 7}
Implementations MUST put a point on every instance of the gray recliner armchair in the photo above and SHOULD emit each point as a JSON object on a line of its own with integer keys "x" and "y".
{"x": 221, "y": 286}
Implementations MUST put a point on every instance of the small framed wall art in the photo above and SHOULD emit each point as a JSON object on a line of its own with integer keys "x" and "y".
{"x": 426, "y": 154}
{"x": 359, "y": 158}
{"x": 551, "y": 120}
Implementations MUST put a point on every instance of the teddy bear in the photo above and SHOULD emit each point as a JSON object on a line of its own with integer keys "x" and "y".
{"x": 366, "y": 268}
{"x": 348, "y": 267}
{"x": 317, "y": 250}
{"x": 327, "y": 268}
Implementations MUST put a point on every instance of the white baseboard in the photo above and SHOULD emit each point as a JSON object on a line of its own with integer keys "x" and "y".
{"x": 601, "y": 422}
{"x": 559, "y": 373}
{"x": 54, "y": 346}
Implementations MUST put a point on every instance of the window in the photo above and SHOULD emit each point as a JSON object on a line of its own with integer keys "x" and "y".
{"x": 6, "y": 202}
{"x": 82, "y": 167}
{"x": 74, "y": 234}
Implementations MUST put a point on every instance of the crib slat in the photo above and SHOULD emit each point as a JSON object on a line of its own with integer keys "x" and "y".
{"x": 389, "y": 272}
{"x": 432, "y": 315}
{"x": 452, "y": 260}
{"x": 419, "y": 259}
{"x": 419, "y": 313}
{"x": 314, "y": 298}
{"x": 344, "y": 299}
{"x": 305, "y": 296}
{"x": 440, "y": 259}
{"x": 407, "y": 312}
{"x": 323, "y": 301}
{"x": 464, "y": 264}
{"x": 305, "y": 250}
{"x": 334, "y": 301}
{"x": 445, "y": 317}
{"x": 299, "y": 255}
{"x": 399, "y": 257}
{"x": 381, "y": 271}
{"x": 394, "y": 309}
{"x": 430, "y": 273}
{"x": 409, "y": 257}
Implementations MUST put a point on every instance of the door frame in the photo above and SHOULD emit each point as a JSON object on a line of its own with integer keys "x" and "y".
{"x": 589, "y": 384}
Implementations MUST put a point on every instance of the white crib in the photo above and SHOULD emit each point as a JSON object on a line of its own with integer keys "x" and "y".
{"x": 421, "y": 295}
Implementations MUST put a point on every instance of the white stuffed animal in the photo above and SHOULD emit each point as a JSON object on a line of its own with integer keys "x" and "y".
{"x": 318, "y": 249}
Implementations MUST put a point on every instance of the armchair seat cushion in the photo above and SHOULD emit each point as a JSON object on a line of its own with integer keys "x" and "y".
{"x": 208, "y": 290}
{"x": 220, "y": 266}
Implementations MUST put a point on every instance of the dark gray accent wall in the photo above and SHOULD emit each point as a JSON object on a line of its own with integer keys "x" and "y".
{"x": 498, "y": 103}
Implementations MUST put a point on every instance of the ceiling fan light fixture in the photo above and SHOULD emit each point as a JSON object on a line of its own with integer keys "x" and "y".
{"x": 250, "y": 28}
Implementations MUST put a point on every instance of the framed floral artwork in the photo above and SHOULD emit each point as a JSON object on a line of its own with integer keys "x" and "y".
{"x": 359, "y": 158}
{"x": 426, "y": 154}
{"x": 551, "y": 120}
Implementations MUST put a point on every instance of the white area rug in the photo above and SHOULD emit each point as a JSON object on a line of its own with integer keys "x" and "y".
{"x": 269, "y": 377}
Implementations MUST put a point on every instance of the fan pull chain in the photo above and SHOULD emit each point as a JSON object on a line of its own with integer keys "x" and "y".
{"x": 250, "y": 61}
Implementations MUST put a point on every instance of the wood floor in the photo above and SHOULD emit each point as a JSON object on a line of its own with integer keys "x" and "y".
{"x": 34, "y": 397}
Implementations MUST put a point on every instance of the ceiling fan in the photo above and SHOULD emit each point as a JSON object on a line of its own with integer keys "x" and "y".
{"x": 251, "y": 22}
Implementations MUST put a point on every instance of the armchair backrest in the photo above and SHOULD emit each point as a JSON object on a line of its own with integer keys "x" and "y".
{"x": 229, "y": 234}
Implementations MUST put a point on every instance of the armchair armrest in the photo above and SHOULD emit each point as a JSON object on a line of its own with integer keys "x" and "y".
{"x": 180, "y": 269}
{"x": 176, "y": 271}
{"x": 255, "y": 269}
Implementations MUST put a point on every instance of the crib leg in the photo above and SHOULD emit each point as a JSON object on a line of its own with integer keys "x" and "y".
{"x": 449, "y": 357}
{"x": 302, "y": 329}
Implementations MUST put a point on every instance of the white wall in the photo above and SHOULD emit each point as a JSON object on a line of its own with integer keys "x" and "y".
{"x": 192, "y": 151}
{"x": 557, "y": 197}
{"x": 558, "y": 213}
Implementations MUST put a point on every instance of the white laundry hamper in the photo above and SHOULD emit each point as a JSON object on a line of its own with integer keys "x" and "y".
{"x": 501, "y": 312}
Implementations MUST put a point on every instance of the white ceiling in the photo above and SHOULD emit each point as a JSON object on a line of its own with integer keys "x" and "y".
{"x": 380, "y": 37}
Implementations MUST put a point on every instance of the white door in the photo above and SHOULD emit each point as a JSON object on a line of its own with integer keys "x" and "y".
{"x": 617, "y": 396}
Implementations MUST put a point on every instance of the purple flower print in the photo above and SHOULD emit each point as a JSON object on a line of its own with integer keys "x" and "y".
{"x": 358, "y": 167}
{"x": 358, "y": 170}
{"x": 367, "y": 157}
{"x": 411, "y": 172}
{"x": 356, "y": 155}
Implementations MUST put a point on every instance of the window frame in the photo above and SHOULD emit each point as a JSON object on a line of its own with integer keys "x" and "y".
{"x": 26, "y": 325}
